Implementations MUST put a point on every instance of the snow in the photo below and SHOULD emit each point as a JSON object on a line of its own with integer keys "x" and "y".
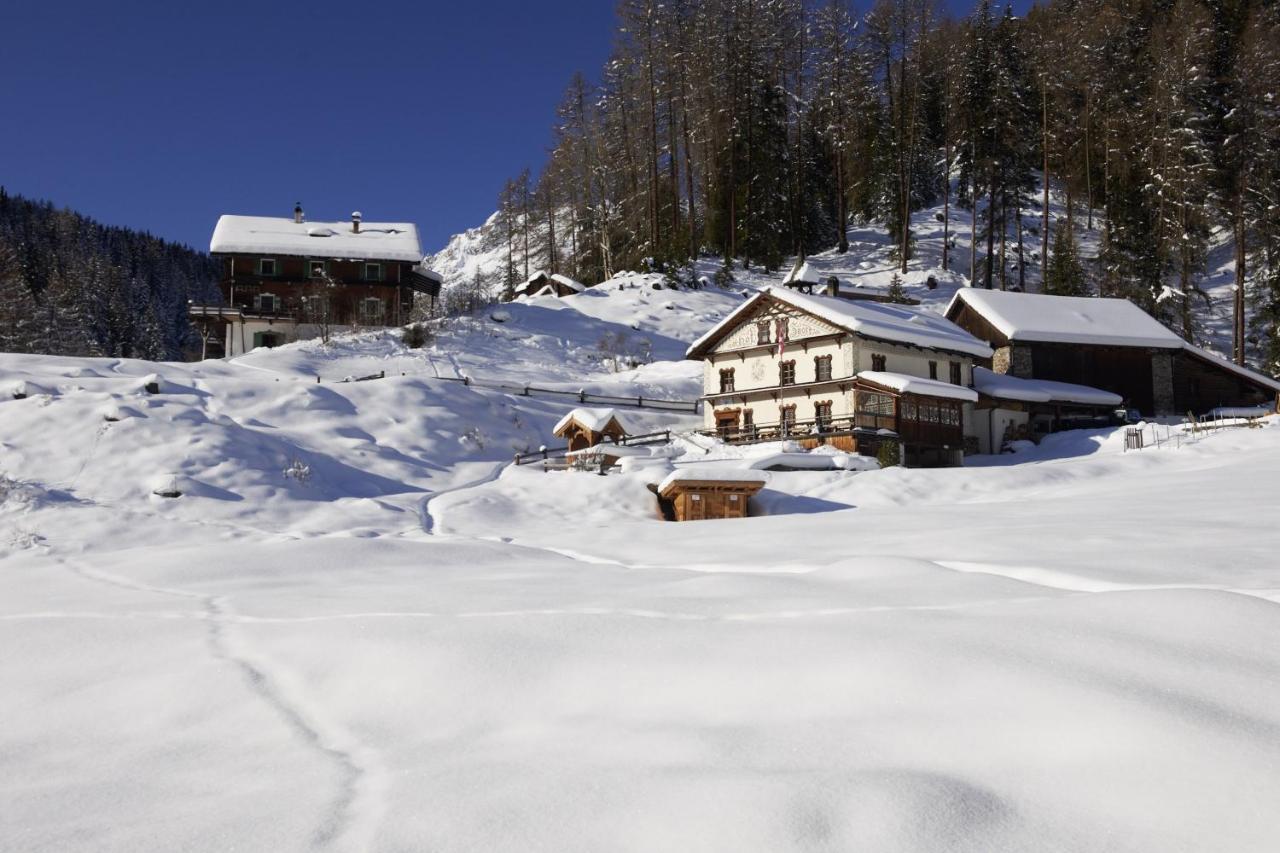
{"x": 1067, "y": 319}
{"x": 1006, "y": 387}
{"x": 876, "y": 320}
{"x": 593, "y": 419}
{"x": 803, "y": 273}
{"x": 1240, "y": 412}
{"x": 908, "y": 384}
{"x": 576, "y": 286}
{"x": 713, "y": 474}
{"x": 270, "y": 235}
{"x": 423, "y": 647}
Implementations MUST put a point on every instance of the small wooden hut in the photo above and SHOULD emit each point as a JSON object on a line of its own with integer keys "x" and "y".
{"x": 699, "y": 494}
{"x": 583, "y": 428}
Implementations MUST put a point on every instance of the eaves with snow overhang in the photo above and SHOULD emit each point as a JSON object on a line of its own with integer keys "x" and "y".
{"x": 876, "y": 321}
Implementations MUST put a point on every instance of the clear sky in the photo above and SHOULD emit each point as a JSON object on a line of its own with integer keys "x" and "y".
{"x": 162, "y": 115}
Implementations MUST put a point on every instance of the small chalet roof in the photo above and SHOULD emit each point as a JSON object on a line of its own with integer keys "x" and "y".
{"x": 271, "y": 235}
{"x": 596, "y": 420}
{"x": 575, "y": 286}
{"x": 901, "y": 324}
{"x": 714, "y": 474}
{"x": 803, "y": 273}
{"x": 907, "y": 384}
{"x": 1005, "y": 387}
{"x": 1039, "y": 317}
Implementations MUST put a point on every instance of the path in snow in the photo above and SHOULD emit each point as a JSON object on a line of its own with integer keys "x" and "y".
{"x": 357, "y": 807}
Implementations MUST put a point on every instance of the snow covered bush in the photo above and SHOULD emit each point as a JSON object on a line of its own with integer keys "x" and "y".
{"x": 299, "y": 471}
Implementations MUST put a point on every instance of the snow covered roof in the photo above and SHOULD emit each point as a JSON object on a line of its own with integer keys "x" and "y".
{"x": 883, "y": 321}
{"x": 595, "y": 420}
{"x": 908, "y": 384}
{"x": 802, "y": 273}
{"x": 1066, "y": 319}
{"x": 1006, "y": 387}
{"x": 713, "y": 474}
{"x": 273, "y": 235}
{"x": 576, "y": 286}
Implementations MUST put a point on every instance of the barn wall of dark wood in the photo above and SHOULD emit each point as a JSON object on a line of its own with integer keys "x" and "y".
{"x": 1199, "y": 386}
{"x": 1122, "y": 370}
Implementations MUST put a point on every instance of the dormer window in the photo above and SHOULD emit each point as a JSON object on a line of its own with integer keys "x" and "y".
{"x": 373, "y": 272}
{"x": 267, "y": 267}
{"x": 317, "y": 269}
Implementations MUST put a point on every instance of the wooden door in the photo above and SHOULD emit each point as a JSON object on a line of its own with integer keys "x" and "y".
{"x": 697, "y": 507}
{"x": 735, "y": 506}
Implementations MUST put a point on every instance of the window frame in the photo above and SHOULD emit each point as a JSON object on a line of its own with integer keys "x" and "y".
{"x": 933, "y": 370}
{"x": 727, "y": 373}
{"x": 377, "y": 276}
{"x": 262, "y": 267}
{"x": 879, "y": 362}
{"x": 822, "y": 368}
{"x": 311, "y": 268}
{"x": 822, "y": 415}
{"x": 787, "y": 369}
{"x": 764, "y": 334}
{"x": 369, "y": 318}
{"x": 259, "y": 298}
{"x": 957, "y": 373}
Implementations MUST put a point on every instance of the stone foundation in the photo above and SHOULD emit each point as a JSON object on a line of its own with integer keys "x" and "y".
{"x": 1162, "y": 383}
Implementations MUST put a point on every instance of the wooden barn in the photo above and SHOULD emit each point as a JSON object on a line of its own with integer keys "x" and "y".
{"x": 1107, "y": 344}
{"x": 700, "y": 494}
{"x": 583, "y": 428}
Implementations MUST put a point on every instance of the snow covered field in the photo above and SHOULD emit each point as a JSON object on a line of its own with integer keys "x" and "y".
{"x": 359, "y": 628}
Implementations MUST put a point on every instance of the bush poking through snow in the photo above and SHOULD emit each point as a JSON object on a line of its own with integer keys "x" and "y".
{"x": 415, "y": 336}
{"x": 298, "y": 471}
{"x": 889, "y": 454}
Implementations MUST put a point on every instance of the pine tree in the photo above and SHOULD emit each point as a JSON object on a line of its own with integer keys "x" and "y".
{"x": 1064, "y": 275}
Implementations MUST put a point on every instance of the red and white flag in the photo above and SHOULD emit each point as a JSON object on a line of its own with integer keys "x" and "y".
{"x": 781, "y": 329}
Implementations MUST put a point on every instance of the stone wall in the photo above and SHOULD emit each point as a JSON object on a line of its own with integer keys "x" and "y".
{"x": 1162, "y": 382}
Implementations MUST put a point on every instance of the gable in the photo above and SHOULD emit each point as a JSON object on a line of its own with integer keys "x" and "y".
{"x": 800, "y": 325}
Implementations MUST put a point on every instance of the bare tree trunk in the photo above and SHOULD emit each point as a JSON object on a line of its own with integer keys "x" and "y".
{"x": 1238, "y": 327}
{"x": 1088, "y": 171}
{"x": 946, "y": 204}
{"x": 991, "y": 228}
{"x": 1044, "y": 228}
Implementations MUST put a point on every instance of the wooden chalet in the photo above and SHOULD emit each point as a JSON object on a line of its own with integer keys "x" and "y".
{"x": 290, "y": 278}
{"x": 583, "y": 428}
{"x": 816, "y": 369}
{"x": 543, "y": 283}
{"x": 704, "y": 494}
{"x": 1107, "y": 344}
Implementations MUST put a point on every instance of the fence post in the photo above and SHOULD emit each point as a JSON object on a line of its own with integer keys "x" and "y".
{"x": 317, "y": 378}
{"x": 639, "y": 402}
{"x": 382, "y": 375}
{"x": 582, "y": 396}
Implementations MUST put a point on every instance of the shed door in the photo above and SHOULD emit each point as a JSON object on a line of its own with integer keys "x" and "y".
{"x": 697, "y": 507}
{"x": 735, "y": 506}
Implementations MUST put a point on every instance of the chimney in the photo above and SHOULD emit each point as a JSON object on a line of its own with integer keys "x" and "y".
{"x": 355, "y": 222}
{"x": 297, "y": 212}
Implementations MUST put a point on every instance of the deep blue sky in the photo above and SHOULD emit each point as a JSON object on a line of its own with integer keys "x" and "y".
{"x": 162, "y": 115}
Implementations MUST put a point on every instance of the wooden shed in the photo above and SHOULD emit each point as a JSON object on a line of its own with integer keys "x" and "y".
{"x": 583, "y": 428}
{"x": 701, "y": 494}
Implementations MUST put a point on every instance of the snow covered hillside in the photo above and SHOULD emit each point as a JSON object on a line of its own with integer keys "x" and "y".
{"x": 256, "y": 611}
{"x": 868, "y": 266}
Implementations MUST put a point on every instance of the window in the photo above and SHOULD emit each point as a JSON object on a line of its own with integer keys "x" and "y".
{"x": 871, "y": 403}
{"x": 267, "y": 303}
{"x": 317, "y": 269}
{"x": 762, "y": 333}
{"x": 822, "y": 368}
{"x": 877, "y": 362}
{"x": 787, "y": 373}
{"x": 822, "y": 415}
{"x": 933, "y": 370}
{"x": 373, "y": 272}
{"x": 727, "y": 423}
{"x": 726, "y": 380}
{"x": 748, "y": 422}
{"x": 371, "y": 311}
{"x": 787, "y": 418}
{"x": 956, "y": 378}
{"x": 266, "y": 267}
